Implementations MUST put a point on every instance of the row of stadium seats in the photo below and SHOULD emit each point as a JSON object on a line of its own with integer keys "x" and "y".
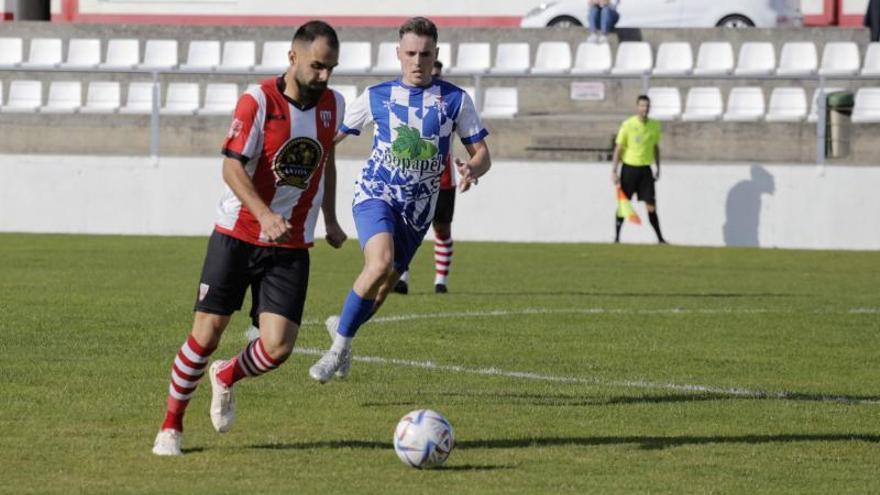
{"x": 181, "y": 98}
{"x": 551, "y": 57}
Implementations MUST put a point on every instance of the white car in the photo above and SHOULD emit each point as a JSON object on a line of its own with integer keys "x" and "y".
{"x": 673, "y": 13}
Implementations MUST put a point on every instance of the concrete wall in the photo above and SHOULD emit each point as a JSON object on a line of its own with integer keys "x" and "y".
{"x": 742, "y": 204}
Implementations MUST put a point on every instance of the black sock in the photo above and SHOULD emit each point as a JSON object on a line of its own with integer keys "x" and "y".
{"x": 618, "y": 223}
{"x": 655, "y": 222}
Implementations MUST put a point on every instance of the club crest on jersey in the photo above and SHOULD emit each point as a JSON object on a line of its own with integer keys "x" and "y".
{"x": 296, "y": 161}
{"x": 203, "y": 291}
{"x": 325, "y": 117}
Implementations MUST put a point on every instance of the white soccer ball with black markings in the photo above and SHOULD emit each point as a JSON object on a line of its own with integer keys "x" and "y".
{"x": 423, "y": 439}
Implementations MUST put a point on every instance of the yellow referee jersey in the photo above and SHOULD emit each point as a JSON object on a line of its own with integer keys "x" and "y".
{"x": 638, "y": 139}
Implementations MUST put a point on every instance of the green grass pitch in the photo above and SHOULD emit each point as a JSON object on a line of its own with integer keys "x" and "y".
{"x": 563, "y": 368}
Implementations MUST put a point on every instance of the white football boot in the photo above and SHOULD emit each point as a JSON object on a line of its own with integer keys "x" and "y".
{"x": 332, "y": 324}
{"x": 328, "y": 365}
{"x": 167, "y": 442}
{"x": 222, "y": 400}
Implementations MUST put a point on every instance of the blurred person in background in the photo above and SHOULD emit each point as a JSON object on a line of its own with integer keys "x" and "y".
{"x": 602, "y": 17}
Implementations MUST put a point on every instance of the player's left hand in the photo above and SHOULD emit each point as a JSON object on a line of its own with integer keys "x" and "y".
{"x": 466, "y": 175}
{"x": 656, "y": 175}
{"x": 335, "y": 235}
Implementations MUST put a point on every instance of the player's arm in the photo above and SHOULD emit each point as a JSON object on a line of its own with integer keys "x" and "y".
{"x": 335, "y": 235}
{"x": 479, "y": 163}
{"x": 619, "y": 147}
{"x": 657, "y": 161}
{"x": 273, "y": 225}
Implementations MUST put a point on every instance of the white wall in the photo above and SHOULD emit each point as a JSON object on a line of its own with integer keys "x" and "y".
{"x": 789, "y": 206}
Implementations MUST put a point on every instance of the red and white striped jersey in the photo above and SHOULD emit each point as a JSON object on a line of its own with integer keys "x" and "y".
{"x": 284, "y": 148}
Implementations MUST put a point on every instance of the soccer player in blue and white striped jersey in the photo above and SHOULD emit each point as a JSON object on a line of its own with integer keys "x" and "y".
{"x": 415, "y": 117}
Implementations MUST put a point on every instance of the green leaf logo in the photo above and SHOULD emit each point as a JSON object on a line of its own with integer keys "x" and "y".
{"x": 410, "y": 145}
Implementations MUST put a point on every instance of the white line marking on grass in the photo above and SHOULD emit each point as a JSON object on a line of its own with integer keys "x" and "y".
{"x": 864, "y": 311}
{"x": 637, "y": 384}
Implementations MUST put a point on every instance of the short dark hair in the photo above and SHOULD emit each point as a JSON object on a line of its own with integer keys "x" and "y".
{"x": 317, "y": 29}
{"x": 438, "y": 65}
{"x": 421, "y": 26}
{"x": 643, "y": 97}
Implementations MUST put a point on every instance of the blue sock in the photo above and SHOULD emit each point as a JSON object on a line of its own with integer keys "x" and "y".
{"x": 355, "y": 312}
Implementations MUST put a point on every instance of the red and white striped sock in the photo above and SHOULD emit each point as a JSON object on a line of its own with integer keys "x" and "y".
{"x": 188, "y": 368}
{"x": 253, "y": 361}
{"x": 442, "y": 259}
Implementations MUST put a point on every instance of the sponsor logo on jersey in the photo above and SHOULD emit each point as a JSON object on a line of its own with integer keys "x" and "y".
{"x": 296, "y": 162}
{"x": 203, "y": 291}
{"x": 410, "y": 152}
{"x": 235, "y": 129}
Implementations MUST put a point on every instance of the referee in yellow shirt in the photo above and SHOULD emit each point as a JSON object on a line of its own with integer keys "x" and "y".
{"x": 638, "y": 146}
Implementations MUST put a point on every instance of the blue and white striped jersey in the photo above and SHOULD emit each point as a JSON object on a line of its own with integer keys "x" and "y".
{"x": 411, "y": 140}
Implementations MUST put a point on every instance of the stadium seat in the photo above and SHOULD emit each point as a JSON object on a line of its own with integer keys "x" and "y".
{"x": 867, "y": 106}
{"x": 24, "y": 97}
{"x": 472, "y": 58}
{"x": 714, "y": 58}
{"x": 798, "y": 58}
{"x": 122, "y": 54}
{"x": 592, "y": 58}
{"x": 238, "y": 56}
{"x": 140, "y": 98}
{"x": 744, "y": 104}
{"x": 633, "y": 58}
{"x": 840, "y": 58}
{"x": 64, "y": 97}
{"x": 202, "y": 55}
{"x": 83, "y": 53}
{"x": 444, "y": 54}
{"x": 220, "y": 99}
{"x": 787, "y": 105}
{"x": 511, "y": 59}
{"x": 159, "y": 54}
{"x": 665, "y": 103}
{"x": 44, "y": 53}
{"x": 756, "y": 58}
{"x": 355, "y": 58}
{"x": 386, "y": 61}
{"x": 871, "y": 68}
{"x": 274, "y": 58}
{"x": 10, "y": 52}
{"x": 500, "y": 102}
{"x": 181, "y": 99}
{"x": 1, "y": 93}
{"x": 674, "y": 58}
{"x": 101, "y": 97}
{"x": 814, "y": 102}
{"x": 552, "y": 57}
{"x": 348, "y": 91}
{"x": 703, "y": 104}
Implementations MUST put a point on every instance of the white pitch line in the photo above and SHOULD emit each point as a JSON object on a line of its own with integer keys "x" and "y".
{"x": 637, "y": 384}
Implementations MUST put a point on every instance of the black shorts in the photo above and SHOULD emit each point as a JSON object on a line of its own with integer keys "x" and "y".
{"x": 445, "y": 206}
{"x": 278, "y": 278}
{"x": 639, "y": 181}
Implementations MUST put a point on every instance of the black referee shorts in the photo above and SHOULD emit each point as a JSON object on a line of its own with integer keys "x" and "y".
{"x": 278, "y": 278}
{"x": 445, "y": 206}
{"x": 639, "y": 181}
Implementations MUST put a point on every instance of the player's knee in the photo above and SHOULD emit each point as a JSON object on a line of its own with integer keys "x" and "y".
{"x": 378, "y": 269}
{"x": 278, "y": 351}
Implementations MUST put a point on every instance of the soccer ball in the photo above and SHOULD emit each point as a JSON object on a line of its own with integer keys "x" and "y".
{"x": 423, "y": 439}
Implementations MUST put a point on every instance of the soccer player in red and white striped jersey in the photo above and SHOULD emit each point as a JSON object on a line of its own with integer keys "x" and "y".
{"x": 279, "y": 171}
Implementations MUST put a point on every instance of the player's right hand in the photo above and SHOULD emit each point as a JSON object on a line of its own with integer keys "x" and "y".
{"x": 615, "y": 178}
{"x": 274, "y": 226}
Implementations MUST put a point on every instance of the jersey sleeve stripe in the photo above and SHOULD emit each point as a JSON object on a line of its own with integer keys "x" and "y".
{"x": 235, "y": 156}
{"x": 475, "y": 138}
{"x": 345, "y": 130}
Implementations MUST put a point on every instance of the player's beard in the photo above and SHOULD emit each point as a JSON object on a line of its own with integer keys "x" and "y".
{"x": 310, "y": 92}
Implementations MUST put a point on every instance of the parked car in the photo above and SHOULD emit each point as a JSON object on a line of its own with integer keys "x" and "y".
{"x": 673, "y": 13}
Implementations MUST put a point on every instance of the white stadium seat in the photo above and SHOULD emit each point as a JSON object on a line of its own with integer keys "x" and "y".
{"x": 386, "y": 61}
{"x": 202, "y": 55}
{"x": 101, "y": 97}
{"x": 814, "y": 103}
{"x": 867, "y": 105}
{"x": 665, "y": 103}
{"x": 674, "y": 58}
{"x": 472, "y": 58}
{"x": 44, "y": 53}
{"x": 633, "y": 58}
{"x": 181, "y": 99}
{"x": 552, "y": 57}
{"x": 444, "y": 54}
{"x": 220, "y": 99}
{"x": 275, "y": 57}
{"x": 714, "y": 58}
{"x": 511, "y": 58}
{"x": 592, "y": 58}
{"x": 10, "y": 52}
{"x": 238, "y": 56}
{"x": 500, "y": 102}
{"x": 159, "y": 54}
{"x": 83, "y": 53}
{"x": 64, "y": 97}
{"x": 871, "y": 67}
{"x": 1, "y": 93}
{"x": 122, "y": 54}
{"x": 703, "y": 104}
{"x": 348, "y": 91}
{"x": 798, "y": 58}
{"x": 24, "y": 97}
{"x": 840, "y": 58}
{"x": 355, "y": 58}
{"x": 756, "y": 58}
{"x": 140, "y": 98}
{"x": 744, "y": 104}
{"x": 787, "y": 105}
